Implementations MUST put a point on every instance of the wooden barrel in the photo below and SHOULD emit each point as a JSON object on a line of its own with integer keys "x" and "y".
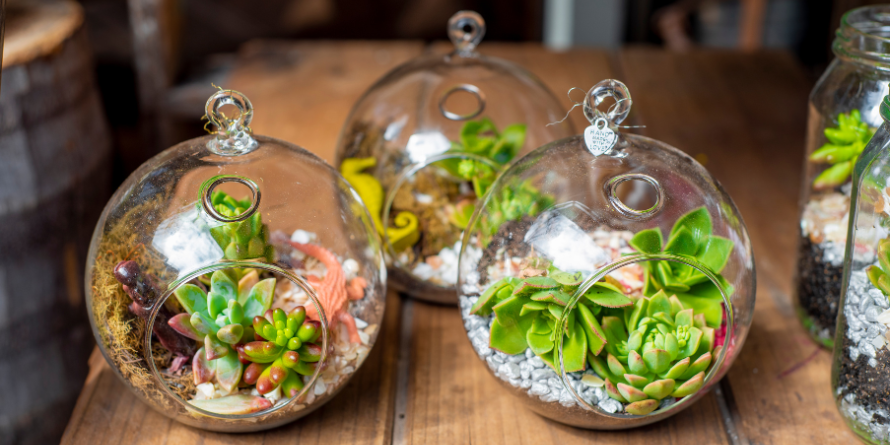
{"x": 55, "y": 172}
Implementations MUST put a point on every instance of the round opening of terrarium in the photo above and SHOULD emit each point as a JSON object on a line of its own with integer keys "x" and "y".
{"x": 635, "y": 195}
{"x": 260, "y": 337}
{"x": 427, "y": 210}
{"x": 635, "y": 355}
{"x": 218, "y": 198}
{"x": 462, "y": 102}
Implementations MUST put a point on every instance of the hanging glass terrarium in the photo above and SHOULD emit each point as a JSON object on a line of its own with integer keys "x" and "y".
{"x": 607, "y": 279}
{"x": 843, "y": 116}
{"x": 427, "y": 140}
{"x": 234, "y": 281}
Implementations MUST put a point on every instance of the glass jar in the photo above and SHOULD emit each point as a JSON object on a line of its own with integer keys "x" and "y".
{"x": 234, "y": 282}
{"x": 426, "y": 141}
{"x": 627, "y": 246}
{"x": 860, "y": 376}
{"x": 843, "y": 114}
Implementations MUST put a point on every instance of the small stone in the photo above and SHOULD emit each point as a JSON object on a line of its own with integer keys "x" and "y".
{"x": 516, "y": 358}
{"x": 871, "y": 314}
{"x": 526, "y": 384}
{"x": 538, "y": 389}
{"x": 525, "y": 370}
{"x": 541, "y": 374}
{"x": 536, "y": 362}
{"x": 566, "y": 399}
{"x": 610, "y": 405}
{"x": 529, "y": 354}
{"x": 510, "y": 370}
{"x": 549, "y": 397}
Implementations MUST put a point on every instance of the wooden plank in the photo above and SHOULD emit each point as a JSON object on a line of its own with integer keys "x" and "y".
{"x": 746, "y": 114}
{"x": 452, "y": 398}
{"x": 108, "y": 413}
{"x": 303, "y": 91}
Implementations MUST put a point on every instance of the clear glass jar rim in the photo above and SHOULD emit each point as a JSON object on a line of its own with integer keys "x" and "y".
{"x": 861, "y": 25}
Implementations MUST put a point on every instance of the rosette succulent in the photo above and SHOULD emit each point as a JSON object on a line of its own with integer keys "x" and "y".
{"x": 692, "y": 238}
{"x": 287, "y": 353}
{"x": 221, "y": 319}
{"x": 643, "y": 348}
{"x": 243, "y": 239}
{"x": 845, "y": 143}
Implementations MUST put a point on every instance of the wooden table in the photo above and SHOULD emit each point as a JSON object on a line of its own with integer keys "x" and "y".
{"x": 742, "y": 114}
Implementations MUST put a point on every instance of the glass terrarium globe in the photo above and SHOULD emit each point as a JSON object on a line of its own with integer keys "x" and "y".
{"x": 235, "y": 282}
{"x": 612, "y": 263}
{"x": 425, "y": 142}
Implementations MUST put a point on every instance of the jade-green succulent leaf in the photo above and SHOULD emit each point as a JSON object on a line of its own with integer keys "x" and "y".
{"x": 607, "y": 297}
{"x": 690, "y": 386}
{"x": 647, "y": 241}
{"x": 259, "y": 299}
{"x": 192, "y": 298}
{"x": 677, "y": 371}
{"x": 659, "y": 389}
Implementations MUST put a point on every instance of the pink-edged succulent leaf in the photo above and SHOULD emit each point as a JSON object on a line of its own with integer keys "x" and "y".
{"x": 575, "y": 349}
{"x": 636, "y": 364}
{"x": 642, "y": 407}
{"x": 690, "y": 386}
{"x": 685, "y": 318}
{"x": 202, "y": 369}
{"x": 615, "y": 365}
{"x": 234, "y": 404}
{"x": 182, "y": 324}
{"x": 228, "y": 371}
{"x": 596, "y": 338}
{"x": 630, "y": 393}
{"x": 613, "y": 392}
{"x": 659, "y": 389}
{"x": 215, "y": 349}
{"x": 636, "y": 381}
{"x": 678, "y": 370}
{"x": 529, "y": 286}
{"x": 699, "y": 365}
{"x": 488, "y": 298}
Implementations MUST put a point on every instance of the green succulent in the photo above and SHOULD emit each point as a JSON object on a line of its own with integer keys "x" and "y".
{"x": 221, "y": 319}
{"x": 243, "y": 239}
{"x": 645, "y": 348}
{"x": 880, "y": 275}
{"x": 691, "y": 237}
{"x": 845, "y": 143}
{"x": 287, "y": 353}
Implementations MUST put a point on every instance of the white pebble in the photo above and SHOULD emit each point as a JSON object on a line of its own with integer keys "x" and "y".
{"x": 359, "y": 323}
{"x": 320, "y": 388}
{"x": 302, "y": 236}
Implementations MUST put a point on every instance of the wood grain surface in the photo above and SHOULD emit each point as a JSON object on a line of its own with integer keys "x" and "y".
{"x": 743, "y": 115}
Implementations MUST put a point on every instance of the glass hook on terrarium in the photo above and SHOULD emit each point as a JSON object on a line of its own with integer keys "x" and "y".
{"x": 233, "y": 134}
{"x": 601, "y": 136}
{"x": 466, "y": 29}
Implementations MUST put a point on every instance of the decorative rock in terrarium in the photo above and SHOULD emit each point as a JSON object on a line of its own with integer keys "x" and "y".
{"x": 607, "y": 279}
{"x": 234, "y": 281}
{"x": 428, "y": 139}
{"x": 861, "y": 372}
{"x": 843, "y": 117}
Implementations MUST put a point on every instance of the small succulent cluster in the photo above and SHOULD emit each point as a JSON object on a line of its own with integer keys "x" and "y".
{"x": 692, "y": 238}
{"x": 221, "y": 319}
{"x": 879, "y": 275}
{"x": 645, "y": 349}
{"x": 287, "y": 352}
{"x": 845, "y": 143}
{"x": 244, "y": 239}
{"x": 481, "y": 138}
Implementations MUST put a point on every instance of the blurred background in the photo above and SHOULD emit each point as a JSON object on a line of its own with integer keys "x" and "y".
{"x": 93, "y": 88}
